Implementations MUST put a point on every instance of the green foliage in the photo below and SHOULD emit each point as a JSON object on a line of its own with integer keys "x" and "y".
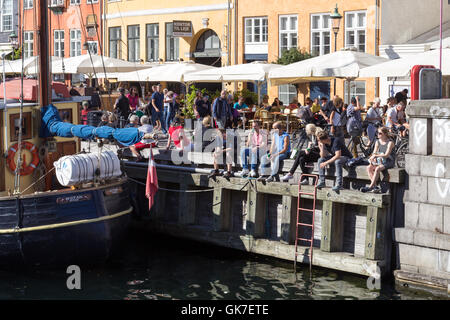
{"x": 16, "y": 54}
{"x": 249, "y": 96}
{"x": 293, "y": 55}
{"x": 188, "y": 101}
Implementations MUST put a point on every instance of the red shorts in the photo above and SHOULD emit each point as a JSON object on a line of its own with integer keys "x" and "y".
{"x": 140, "y": 145}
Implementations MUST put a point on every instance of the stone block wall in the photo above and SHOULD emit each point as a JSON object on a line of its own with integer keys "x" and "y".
{"x": 423, "y": 244}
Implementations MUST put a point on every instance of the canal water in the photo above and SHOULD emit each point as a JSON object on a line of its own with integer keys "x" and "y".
{"x": 149, "y": 267}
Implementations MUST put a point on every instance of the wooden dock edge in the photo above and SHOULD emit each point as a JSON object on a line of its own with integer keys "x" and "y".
{"x": 435, "y": 285}
{"x": 331, "y": 260}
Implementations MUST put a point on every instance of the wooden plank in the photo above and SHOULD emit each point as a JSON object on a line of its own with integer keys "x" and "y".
{"x": 332, "y": 227}
{"x": 256, "y": 210}
{"x": 337, "y": 261}
{"x": 375, "y": 233}
{"x": 186, "y": 211}
{"x": 276, "y": 188}
{"x": 222, "y": 209}
{"x": 289, "y": 219}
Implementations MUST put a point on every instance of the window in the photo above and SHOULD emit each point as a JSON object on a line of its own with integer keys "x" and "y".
{"x": 58, "y": 43}
{"x": 14, "y": 125}
{"x": 27, "y": 4}
{"x": 152, "y": 42}
{"x": 28, "y": 44}
{"x": 6, "y": 15}
{"x": 286, "y": 93}
{"x": 91, "y": 1}
{"x": 115, "y": 38}
{"x": 357, "y": 88}
{"x": 355, "y": 30}
{"x": 172, "y": 44}
{"x": 320, "y": 34}
{"x": 75, "y": 42}
{"x": 256, "y": 30}
{"x": 93, "y": 47}
{"x": 75, "y": 2}
{"x": 133, "y": 43}
{"x": 288, "y": 33}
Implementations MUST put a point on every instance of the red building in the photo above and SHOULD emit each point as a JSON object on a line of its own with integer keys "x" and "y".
{"x": 74, "y": 27}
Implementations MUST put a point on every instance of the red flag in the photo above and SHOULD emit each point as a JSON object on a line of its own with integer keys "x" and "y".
{"x": 151, "y": 187}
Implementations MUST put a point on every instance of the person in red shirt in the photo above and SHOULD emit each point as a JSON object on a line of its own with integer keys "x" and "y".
{"x": 133, "y": 97}
{"x": 84, "y": 112}
{"x": 178, "y": 136}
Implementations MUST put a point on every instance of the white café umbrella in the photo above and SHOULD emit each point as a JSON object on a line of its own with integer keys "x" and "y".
{"x": 31, "y": 65}
{"x": 254, "y": 71}
{"x": 340, "y": 64}
{"x": 345, "y": 64}
{"x": 99, "y": 64}
{"x": 167, "y": 72}
{"x": 402, "y": 67}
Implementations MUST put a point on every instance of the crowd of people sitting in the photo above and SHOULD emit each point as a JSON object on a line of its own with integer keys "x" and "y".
{"x": 327, "y": 124}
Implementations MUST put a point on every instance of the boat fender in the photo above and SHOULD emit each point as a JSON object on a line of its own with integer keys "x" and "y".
{"x": 28, "y": 169}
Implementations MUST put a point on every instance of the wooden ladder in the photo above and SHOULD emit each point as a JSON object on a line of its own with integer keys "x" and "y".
{"x": 309, "y": 211}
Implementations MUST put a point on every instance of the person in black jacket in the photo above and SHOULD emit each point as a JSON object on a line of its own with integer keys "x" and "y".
{"x": 122, "y": 106}
{"x": 95, "y": 99}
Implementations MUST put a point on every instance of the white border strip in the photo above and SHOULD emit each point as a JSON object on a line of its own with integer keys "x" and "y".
{"x": 215, "y": 7}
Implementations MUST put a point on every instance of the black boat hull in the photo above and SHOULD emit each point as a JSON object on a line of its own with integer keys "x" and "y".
{"x": 73, "y": 227}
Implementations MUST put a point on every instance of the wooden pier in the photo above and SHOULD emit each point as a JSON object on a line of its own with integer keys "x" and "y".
{"x": 353, "y": 230}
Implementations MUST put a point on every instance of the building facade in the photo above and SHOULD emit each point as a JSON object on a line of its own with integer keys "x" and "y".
{"x": 152, "y": 31}
{"x": 74, "y": 26}
{"x": 9, "y": 22}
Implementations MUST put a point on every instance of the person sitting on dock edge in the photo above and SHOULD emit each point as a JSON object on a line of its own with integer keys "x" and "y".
{"x": 310, "y": 154}
{"x": 256, "y": 146}
{"x": 332, "y": 152}
{"x": 145, "y": 127}
{"x": 280, "y": 150}
{"x": 382, "y": 159}
{"x": 223, "y": 151}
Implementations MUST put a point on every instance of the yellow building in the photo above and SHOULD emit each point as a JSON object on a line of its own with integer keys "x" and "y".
{"x": 142, "y": 30}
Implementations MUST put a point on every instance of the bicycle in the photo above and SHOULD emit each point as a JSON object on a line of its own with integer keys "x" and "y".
{"x": 401, "y": 146}
{"x": 363, "y": 143}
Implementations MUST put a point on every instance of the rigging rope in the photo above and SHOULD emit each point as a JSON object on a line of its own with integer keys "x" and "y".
{"x": 174, "y": 190}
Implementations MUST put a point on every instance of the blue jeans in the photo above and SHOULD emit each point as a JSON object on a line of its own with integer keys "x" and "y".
{"x": 338, "y": 165}
{"x": 158, "y": 116}
{"x": 247, "y": 153}
{"x": 168, "y": 117}
{"x": 275, "y": 163}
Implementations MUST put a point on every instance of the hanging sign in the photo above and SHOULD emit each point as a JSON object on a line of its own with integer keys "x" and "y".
{"x": 182, "y": 29}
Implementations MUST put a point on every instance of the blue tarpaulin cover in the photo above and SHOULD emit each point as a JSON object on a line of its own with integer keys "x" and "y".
{"x": 53, "y": 126}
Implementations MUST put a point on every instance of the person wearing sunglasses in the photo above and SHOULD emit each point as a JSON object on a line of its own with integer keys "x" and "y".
{"x": 381, "y": 159}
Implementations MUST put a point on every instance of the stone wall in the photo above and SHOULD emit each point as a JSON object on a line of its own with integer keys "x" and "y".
{"x": 423, "y": 242}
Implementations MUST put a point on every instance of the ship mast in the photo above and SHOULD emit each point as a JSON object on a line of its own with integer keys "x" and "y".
{"x": 44, "y": 69}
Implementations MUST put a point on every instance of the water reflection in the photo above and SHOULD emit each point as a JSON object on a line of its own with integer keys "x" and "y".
{"x": 163, "y": 269}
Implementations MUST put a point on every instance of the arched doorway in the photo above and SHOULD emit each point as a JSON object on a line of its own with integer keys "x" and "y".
{"x": 208, "y": 51}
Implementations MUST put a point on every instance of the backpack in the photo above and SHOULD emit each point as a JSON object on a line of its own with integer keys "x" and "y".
{"x": 354, "y": 127}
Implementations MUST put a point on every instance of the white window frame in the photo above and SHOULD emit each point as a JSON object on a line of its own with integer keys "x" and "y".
{"x": 91, "y": 1}
{"x": 154, "y": 38}
{"x": 172, "y": 44}
{"x": 322, "y": 31}
{"x": 136, "y": 55}
{"x": 28, "y": 44}
{"x": 75, "y": 2}
{"x": 289, "y": 32}
{"x": 287, "y": 89}
{"x": 118, "y": 43}
{"x": 92, "y": 43}
{"x": 263, "y": 30}
{"x": 28, "y": 4}
{"x": 4, "y": 13}
{"x": 353, "y": 93}
{"x": 356, "y": 29}
{"x": 75, "y": 43}
{"x": 58, "y": 43}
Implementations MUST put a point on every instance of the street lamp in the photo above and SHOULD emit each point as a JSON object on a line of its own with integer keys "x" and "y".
{"x": 13, "y": 40}
{"x": 336, "y": 22}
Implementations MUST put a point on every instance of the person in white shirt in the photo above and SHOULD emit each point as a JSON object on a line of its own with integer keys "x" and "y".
{"x": 144, "y": 143}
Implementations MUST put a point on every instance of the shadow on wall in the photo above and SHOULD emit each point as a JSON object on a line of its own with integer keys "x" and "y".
{"x": 391, "y": 53}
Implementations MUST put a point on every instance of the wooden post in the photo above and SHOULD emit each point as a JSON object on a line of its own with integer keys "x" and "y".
{"x": 332, "y": 227}
{"x": 288, "y": 219}
{"x": 375, "y": 233}
{"x": 222, "y": 209}
{"x": 256, "y": 210}
{"x": 186, "y": 210}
